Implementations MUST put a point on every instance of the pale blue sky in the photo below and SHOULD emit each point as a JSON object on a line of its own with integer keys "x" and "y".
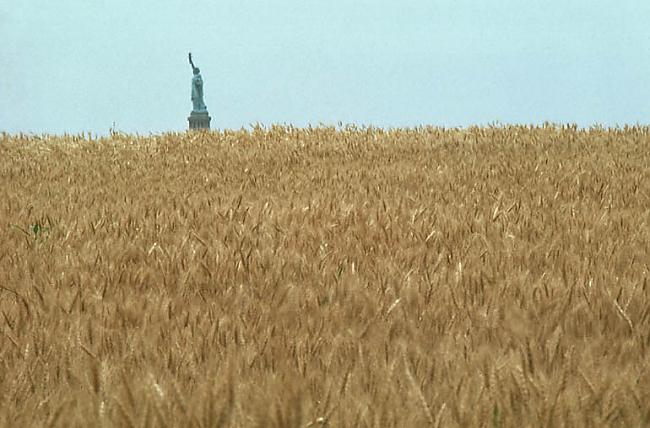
{"x": 80, "y": 65}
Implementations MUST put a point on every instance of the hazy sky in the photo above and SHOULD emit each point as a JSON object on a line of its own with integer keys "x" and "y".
{"x": 80, "y": 65}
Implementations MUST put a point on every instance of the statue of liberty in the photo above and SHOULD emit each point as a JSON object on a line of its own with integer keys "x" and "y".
{"x": 197, "y": 89}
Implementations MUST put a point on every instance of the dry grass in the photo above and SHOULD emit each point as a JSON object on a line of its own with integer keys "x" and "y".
{"x": 311, "y": 277}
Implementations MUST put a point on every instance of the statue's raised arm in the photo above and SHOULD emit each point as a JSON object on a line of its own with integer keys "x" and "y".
{"x": 191, "y": 62}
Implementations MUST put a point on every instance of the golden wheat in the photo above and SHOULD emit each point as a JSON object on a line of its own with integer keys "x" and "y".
{"x": 492, "y": 276}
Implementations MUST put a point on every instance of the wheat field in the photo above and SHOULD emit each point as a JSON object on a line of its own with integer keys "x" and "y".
{"x": 343, "y": 277}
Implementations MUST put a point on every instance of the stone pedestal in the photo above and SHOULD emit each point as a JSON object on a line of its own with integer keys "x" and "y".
{"x": 199, "y": 120}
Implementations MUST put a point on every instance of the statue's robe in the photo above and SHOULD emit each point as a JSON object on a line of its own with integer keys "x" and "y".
{"x": 197, "y": 93}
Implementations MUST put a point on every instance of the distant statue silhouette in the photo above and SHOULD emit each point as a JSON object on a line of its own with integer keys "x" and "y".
{"x": 198, "y": 105}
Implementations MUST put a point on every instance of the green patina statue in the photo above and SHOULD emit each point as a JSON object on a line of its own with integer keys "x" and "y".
{"x": 197, "y": 89}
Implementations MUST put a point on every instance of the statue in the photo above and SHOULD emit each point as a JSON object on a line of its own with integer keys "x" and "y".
{"x": 199, "y": 117}
{"x": 197, "y": 88}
